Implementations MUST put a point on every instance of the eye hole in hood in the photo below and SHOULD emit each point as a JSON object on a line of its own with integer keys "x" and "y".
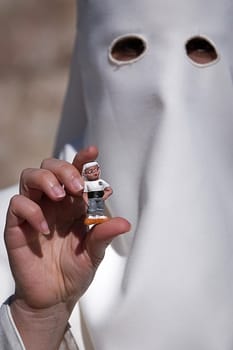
{"x": 201, "y": 51}
{"x": 127, "y": 49}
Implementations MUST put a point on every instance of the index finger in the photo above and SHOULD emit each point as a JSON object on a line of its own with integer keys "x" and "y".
{"x": 86, "y": 155}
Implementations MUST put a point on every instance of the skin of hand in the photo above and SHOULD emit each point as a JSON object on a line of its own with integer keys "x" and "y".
{"x": 53, "y": 257}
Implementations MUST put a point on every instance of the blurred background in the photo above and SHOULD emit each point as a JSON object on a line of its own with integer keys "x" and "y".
{"x": 36, "y": 44}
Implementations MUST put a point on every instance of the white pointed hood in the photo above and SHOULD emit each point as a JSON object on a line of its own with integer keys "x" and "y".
{"x": 164, "y": 127}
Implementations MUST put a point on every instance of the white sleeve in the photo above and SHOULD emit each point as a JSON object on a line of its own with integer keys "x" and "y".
{"x": 105, "y": 184}
{"x": 10, "y": 338}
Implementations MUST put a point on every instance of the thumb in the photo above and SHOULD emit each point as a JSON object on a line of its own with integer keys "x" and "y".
{"x": 101, "y": 235}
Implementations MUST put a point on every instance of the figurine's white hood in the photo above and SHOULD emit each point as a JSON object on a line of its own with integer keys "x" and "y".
{"x": 164, "y": 128}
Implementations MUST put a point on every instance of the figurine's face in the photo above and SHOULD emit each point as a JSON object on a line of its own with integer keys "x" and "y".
{"x": 92, "y": 173}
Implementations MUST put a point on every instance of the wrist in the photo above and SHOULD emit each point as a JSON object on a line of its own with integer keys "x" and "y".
{"x": 40, "y": 328}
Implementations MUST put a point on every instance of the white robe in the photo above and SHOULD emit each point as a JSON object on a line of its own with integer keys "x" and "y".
{"x": 164, "y": 127}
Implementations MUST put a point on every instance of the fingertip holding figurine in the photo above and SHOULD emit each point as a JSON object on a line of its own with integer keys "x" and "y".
{"x": 96, "y": 191}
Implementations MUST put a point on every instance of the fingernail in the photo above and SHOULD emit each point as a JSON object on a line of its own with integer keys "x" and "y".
{"x": 76, "y": 184}
{"x": 44, "y": 228}
{"x": 58, "y": 191}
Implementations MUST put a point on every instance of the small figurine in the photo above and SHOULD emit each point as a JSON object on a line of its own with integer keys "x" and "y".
{"x": 96, "y": 191}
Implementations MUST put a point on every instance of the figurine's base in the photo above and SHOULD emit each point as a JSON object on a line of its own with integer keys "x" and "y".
{"x": 93, "y": 220}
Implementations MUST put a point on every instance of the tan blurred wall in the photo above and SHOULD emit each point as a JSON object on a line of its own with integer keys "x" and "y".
{"x": 36, "y": 43}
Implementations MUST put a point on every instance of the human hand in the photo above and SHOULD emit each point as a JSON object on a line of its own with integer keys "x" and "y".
{"x": 52, "y": 255}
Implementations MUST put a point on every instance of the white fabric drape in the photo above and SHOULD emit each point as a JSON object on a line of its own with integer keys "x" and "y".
{"x": 164, "y": 128}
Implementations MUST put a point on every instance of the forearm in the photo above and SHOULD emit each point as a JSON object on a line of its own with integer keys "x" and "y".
{"x": 107, "y": 193}
{"x": 40, "y": 328}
